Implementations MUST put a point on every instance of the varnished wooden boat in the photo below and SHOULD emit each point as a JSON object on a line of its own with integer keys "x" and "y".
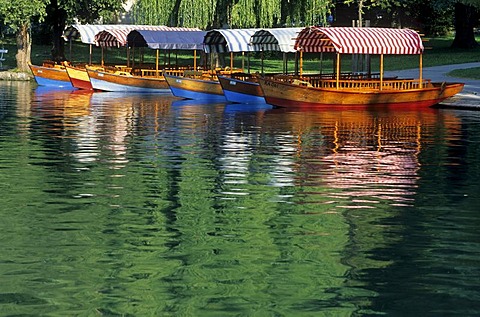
{"x": 244, "y": 88}
{"x": 51, "y": 74}
{"x": 123, "y": 81}
{"x": 79, "y": 77}
{"x": 288, "y": 92}
{"x": 241, "y": 88}
{"x": 368, "y": 91}
{"x": 196, "y": 85}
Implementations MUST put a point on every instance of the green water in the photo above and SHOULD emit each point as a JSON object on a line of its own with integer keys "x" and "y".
{"x": 145, "y": 205}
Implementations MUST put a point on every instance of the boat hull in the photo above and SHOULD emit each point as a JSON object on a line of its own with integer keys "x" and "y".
{"x": 51, "y": 76}
{"x": 283, "y": 94}
{"x": 79, "y": 77}
{"x": 241, "y": 91}
{"x": 106, "y": 81}
{"x": 191, "y": 88}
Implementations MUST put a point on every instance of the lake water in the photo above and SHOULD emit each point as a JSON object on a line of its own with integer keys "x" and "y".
{"x": 146, "y": 205}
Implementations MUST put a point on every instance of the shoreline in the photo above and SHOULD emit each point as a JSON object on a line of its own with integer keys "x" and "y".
{"x": 15, "y": 76}
{"x": 468, "y": 99}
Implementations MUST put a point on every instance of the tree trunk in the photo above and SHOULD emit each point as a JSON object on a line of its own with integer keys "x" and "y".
{"x": 57, "y": 21}
{"x": 360, "y": 13}
{"x": 58, "y": 49}
{"x": 465, "y": 18}
{"x": 24, "y": 48}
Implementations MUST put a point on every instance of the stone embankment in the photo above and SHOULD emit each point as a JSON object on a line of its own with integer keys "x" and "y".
{"x": 9, "y": 75}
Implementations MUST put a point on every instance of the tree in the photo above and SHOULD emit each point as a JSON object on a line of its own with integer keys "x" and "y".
{"x": 18, "y": 15}
{"x": 466, "y": 18}
{"x": 61, "y": 12}
{"x": 208, "y": 14}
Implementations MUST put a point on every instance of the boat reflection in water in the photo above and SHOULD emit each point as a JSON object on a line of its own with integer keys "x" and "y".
{"x": 68, "y": 102}
{"x": 363, "y": 156}
{"x": 84, "y": 116}
{"x": 352, "y": 158}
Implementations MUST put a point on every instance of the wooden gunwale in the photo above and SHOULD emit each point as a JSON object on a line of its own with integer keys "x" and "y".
{"x": 357, "y": 84}
{"x": 124, "y": 78}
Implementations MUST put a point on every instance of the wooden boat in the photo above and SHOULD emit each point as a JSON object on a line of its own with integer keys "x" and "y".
{"x": 317, "y": 93}
{"x": 196, "y": 85}
{"x": 141, "y": 77}
{"x": 241, "y": 88}
{"x": 205, "y": 84}
{"x": 124, "y": 81}
{"x": 79, "y": 77}
{"x": 244, "y": 88}
{"x": 51, "y": 74}
{"x": 312, "y": 92}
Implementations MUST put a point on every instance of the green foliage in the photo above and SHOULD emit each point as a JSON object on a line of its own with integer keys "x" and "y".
{"x": 436, "y": 16}
{"x": 18, "y": 12}
{"x": 196, "y": 13}
{"x": 243, "y": 13}
{"x": 315, "y": 11}
{"x": 88, "y": 11}
{"x": 474, "y": 3}
{"x": 153, "y": 11}
{"x": 238, "y": 14}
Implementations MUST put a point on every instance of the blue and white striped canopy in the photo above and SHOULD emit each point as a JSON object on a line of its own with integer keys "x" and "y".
{"x": 168, "y": 40}
{"x": 87, "y": 32}
{"x": 228, "y": 40}
{"x": 278, "y": 39}
{"x": 114, "y": 37}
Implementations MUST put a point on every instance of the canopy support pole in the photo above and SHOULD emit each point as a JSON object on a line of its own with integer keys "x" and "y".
{"x": 90, "y": 57}
{"x": 156, "y": 62}
{"x": 133, "y": 58}
{"x": 301, "y": 63}
{"x": 70, "y": 42}
{"x": 102, "y": 58}
{"x": 231, "y": 62}
{"x": 381, "y": 71}
{"x": 321, "y": 63}
{"x": 421, "y": 71}
{"x": 295, "y": 67}
{"x": 261, "y": 57}
{"x": 195, "y": 59}
{"x": 338, "y": 70}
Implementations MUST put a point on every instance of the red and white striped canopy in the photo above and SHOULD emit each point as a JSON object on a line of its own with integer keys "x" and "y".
{"x": 117, "y": 37}
{"x": 359, "y": 40}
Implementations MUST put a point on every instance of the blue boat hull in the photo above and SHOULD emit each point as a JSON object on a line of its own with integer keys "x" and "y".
{"x": 192, "y": 88}
{"x": 52, "y": 82}
{"x": 237, "y": 97}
